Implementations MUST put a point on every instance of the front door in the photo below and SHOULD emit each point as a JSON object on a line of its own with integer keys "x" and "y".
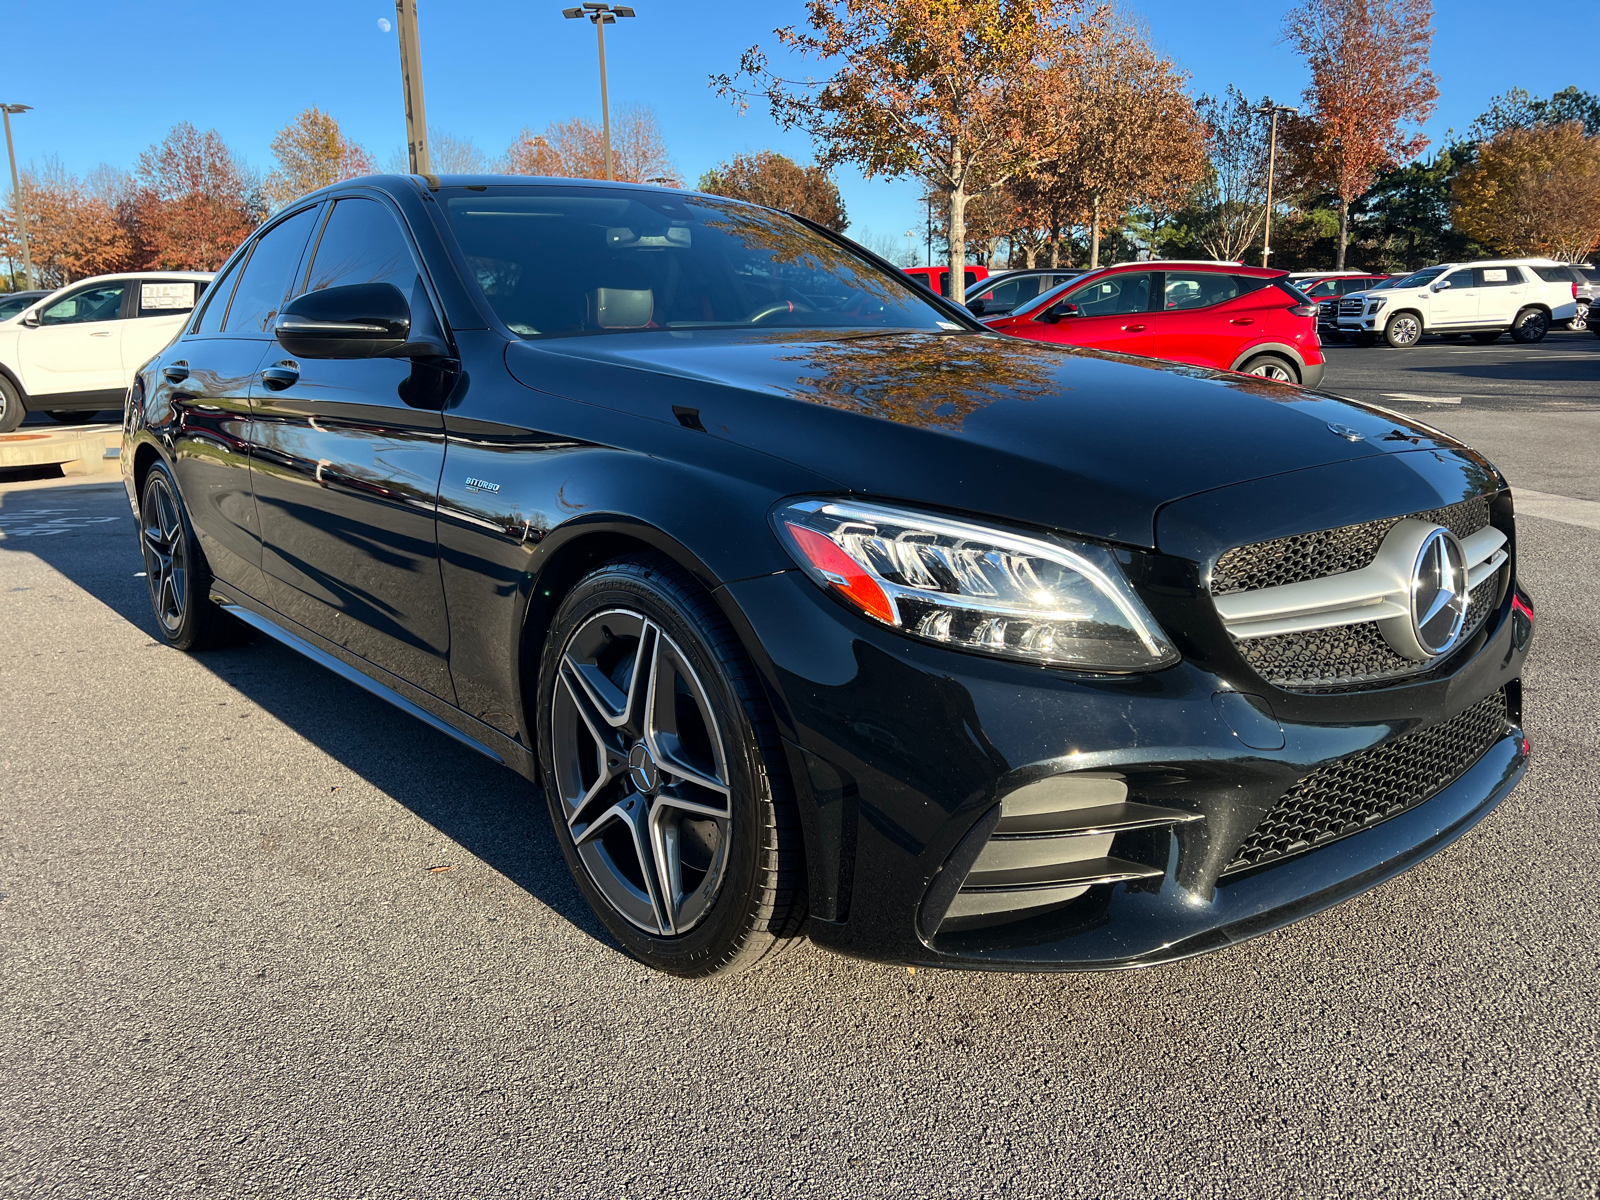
{"x": 1112, "y": 313}
{"x": 76, "y": 349}
{"x": 1456, "y": 304}
{"x": 346, "y": 459}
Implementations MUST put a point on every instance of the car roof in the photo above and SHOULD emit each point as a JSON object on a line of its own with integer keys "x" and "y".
{"x": 1203, "y": 264}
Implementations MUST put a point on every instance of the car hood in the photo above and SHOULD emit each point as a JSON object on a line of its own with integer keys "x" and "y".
{"x": 1053, "y": 436}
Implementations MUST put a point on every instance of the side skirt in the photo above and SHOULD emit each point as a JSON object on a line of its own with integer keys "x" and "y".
{"x": 412, "y": 701}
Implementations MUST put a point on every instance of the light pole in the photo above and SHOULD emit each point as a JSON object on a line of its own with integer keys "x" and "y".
{"x": 16, "y": 191}
{"x": 1272, "y": 163}
{"x": 405, "y": 14}
{"x": 601, "y": 15}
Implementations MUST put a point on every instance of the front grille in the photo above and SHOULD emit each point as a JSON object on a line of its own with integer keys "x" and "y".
{"x": 1352, "y": 306}
{"x": 1370, "y": 786}
{"x": 1330, "y": 551}
{"x": 1344, "y": 656}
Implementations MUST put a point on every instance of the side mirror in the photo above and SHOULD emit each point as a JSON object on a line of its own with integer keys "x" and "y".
{"x": 1056, "y": 311}
{"x": 360, "y": 320}
{"x": 31, "y": 320}
{"x": 977, "y": 308}
{"x": 1442, "y": 285}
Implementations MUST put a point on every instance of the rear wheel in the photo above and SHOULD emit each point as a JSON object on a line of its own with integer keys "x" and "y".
{"x": 175, "y": 571}
{"x": 11, "y": 411}
{"x": 1580, "y": 319}
{"x": 1403, "y": 330}
{"x": 1270, "y": 366}
{"x": 1487, "y": 337}
{"x": 1530, "y": 326}
{"x": 665, "y": 775}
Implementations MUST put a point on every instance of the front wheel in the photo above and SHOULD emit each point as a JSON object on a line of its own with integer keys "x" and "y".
{"x": 1270, "y": 366}
{"x": 1530, "y": 326}
{"x": 11, "y": 410}
{"x": 1403, "y": 330}
{"x": 664, "y": 773}
{"x": 175, "y": 570}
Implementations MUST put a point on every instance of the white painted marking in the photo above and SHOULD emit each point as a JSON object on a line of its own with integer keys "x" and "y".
{"x": 1422, "y": 399}
{"x": 1567, "y": 509}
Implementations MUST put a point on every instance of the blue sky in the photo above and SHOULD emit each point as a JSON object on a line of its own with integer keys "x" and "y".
{"x": 107, "y": 80}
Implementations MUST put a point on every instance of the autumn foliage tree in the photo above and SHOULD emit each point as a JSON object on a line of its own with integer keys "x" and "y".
{"x": 1369, "y": 84}
{"x": 576, "y": 149}
{"x": 954, "y": 92}
{"x": 312, "y": 153}
{"x": 777, "y": 181}
{"x": 73, "y": 229}
{"x": 1533, "y": 192}
{"x": 195, "y": 201}
{"x": 1233, "y": 195}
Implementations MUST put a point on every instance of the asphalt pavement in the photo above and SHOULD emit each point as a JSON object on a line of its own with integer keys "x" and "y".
{"x": 261, "y": 935}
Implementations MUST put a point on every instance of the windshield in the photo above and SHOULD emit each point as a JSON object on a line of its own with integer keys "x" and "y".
{"x": 1423, "y": 277}
{"x": 570, "y": 261}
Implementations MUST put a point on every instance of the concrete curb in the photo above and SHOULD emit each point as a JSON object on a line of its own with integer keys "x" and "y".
{"x": 77, "y": 450}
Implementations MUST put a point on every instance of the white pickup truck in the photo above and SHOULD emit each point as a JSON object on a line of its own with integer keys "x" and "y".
{"x": 1485, "y": 299}
{"x": 73, "y": 353}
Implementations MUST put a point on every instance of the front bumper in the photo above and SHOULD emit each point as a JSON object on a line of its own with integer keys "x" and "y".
{"x": 900, "y": 750}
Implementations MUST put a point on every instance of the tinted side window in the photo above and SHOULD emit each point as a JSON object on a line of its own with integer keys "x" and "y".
{"x": 1198, "y": 289}
{"x": 362, "y": 244}
{"x": 1554, "y": 274}
{"x": 102, "y": 302}
{"x": 1114, "y": 295}
{"x": 1459, "y": 279}
{"x": 216, "y": 307}
{"x": 265, "y": 282}
{"x": 1249, "y": 283}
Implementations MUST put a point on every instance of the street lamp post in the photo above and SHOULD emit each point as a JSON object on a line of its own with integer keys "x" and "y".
{"x": 1272, "y": 163}
{"x": 601, "y": 15}
{"x": 421, "y": 162}
{"x": 16, "y": 191}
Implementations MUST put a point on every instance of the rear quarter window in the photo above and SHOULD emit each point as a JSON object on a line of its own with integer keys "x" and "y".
{"x": 1554, "y": 274}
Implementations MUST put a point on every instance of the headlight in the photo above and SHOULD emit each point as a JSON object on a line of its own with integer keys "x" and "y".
{"x": 976, "y": 588}
{"x": 1375, "y": 305}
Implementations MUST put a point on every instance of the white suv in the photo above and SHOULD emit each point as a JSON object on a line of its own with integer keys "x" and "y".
{"x": 1484, "y": 299}
{"x": 74, "y": 352}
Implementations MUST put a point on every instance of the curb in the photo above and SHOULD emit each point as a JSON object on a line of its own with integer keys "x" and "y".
{"x": 83, "y": 450}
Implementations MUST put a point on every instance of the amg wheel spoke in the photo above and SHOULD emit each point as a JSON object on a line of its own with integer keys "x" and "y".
{"x": 676, "y": 800}
{"x": 668, "y": 865}
{"x": 602, "y": 727}
{"x": 642, "y": 683}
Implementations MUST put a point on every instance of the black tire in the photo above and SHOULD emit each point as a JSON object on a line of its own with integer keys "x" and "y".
{"x": 741, "y": 898}
{"x": 1271, "y": 366}
{"x": 1530, "y": 326}
{"x": 70, "y": 417}
{"x": 1403, "y": 330}
{"x": 11, "y": 410}
{"x": 176, "y": 574}
{"x": 1488, "y": 337}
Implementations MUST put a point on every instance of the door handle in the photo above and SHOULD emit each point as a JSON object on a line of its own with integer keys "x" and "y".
{"x": 176, "y": 373}
{"x": 1242, "y": 321}
{"x": 284, "y": 375}
{"x": 1134, "y": 328}
{"x": 101, "y": 333}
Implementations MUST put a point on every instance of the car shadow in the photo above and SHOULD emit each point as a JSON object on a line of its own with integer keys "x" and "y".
{"x": 486, "y": 809}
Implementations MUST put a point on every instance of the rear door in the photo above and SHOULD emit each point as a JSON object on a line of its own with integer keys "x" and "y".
{"x": 1112, "y": 313}
{"x": 345, "y": 464}
{"x": 1207, "y": 317}
{"x": 1501, "y": 292}
{"x": 158, "y": 310}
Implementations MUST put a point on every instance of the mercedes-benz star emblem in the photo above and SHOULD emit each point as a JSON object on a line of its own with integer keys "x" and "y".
{"x": 642, "y": 770}
{"x": 1439, "y": 592}
{"x": 1344, "y": 431}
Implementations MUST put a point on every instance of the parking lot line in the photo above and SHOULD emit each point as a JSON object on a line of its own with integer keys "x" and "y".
{"x": 1567, "y": 509}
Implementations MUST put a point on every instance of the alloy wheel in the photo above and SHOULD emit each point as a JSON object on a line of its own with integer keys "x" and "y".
{"x": 1580, "y": 319}
{"x": 1271, "y": 369}
{"x": 641, "y": 772}
{"x": 166, "y": 555}
{"x": 1405, "y": 330}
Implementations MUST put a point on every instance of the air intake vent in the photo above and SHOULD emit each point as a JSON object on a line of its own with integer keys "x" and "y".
{"x": 1054, "y": 842}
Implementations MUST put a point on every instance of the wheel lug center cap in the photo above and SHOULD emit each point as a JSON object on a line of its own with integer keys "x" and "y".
{"x": 642, "y": 770}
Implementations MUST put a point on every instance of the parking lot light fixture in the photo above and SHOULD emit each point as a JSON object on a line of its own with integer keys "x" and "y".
{"x": 601, "y": 15}
{"x": 16, "y": 191}
{"x": 1272, "y": 162}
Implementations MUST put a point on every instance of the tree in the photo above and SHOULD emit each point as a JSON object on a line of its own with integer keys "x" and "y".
{"x": 576, "y": 149}
{"x": 448, "y": 155}
{"x": 953, "y": 92}
{"x": 1233, "y": 195}
{"x": 1136, "y": 140}
{"x": 1369, "y": 80}
{"x": 777, "y": 181}
{"x": 1534, "y": 192}
{"x": 312, "y": 154}
{"x": 1518, "y": 110}
{"x": 73, "y": 230}
{"x": 1408, "y": 213}
{"x": 195, "y": 201}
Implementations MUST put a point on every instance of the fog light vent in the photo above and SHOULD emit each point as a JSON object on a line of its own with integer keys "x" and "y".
{"x": 1052, "y": 844}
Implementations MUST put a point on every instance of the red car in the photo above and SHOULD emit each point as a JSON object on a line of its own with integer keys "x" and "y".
{"x": 937, "y": 279}
{"x": 1247, "y": 319}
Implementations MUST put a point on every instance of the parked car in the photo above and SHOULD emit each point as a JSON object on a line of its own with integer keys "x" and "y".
{"x": 816, "y": 608}
{"x": 1483, "y": 299}
{"x": 12, "y": 303}
{"x": 1211, "y": 314}
{"x": 73, "y": 353}
{"x": 1326, "y": 288}
{"x": 938, "y": 278}
{"x": 1000, "y": 294}
{"x": 1586, "y": 281}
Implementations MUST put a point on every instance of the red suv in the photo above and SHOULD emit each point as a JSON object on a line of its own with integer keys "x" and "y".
{"x": 1247, "y": 319}
{"x": 938, "y": 278}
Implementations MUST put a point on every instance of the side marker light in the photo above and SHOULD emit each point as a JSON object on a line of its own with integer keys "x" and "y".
{"x": 843, "y": 572}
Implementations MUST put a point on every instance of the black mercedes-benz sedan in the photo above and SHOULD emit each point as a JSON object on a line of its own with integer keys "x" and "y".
{"x": 813, "y": 607}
